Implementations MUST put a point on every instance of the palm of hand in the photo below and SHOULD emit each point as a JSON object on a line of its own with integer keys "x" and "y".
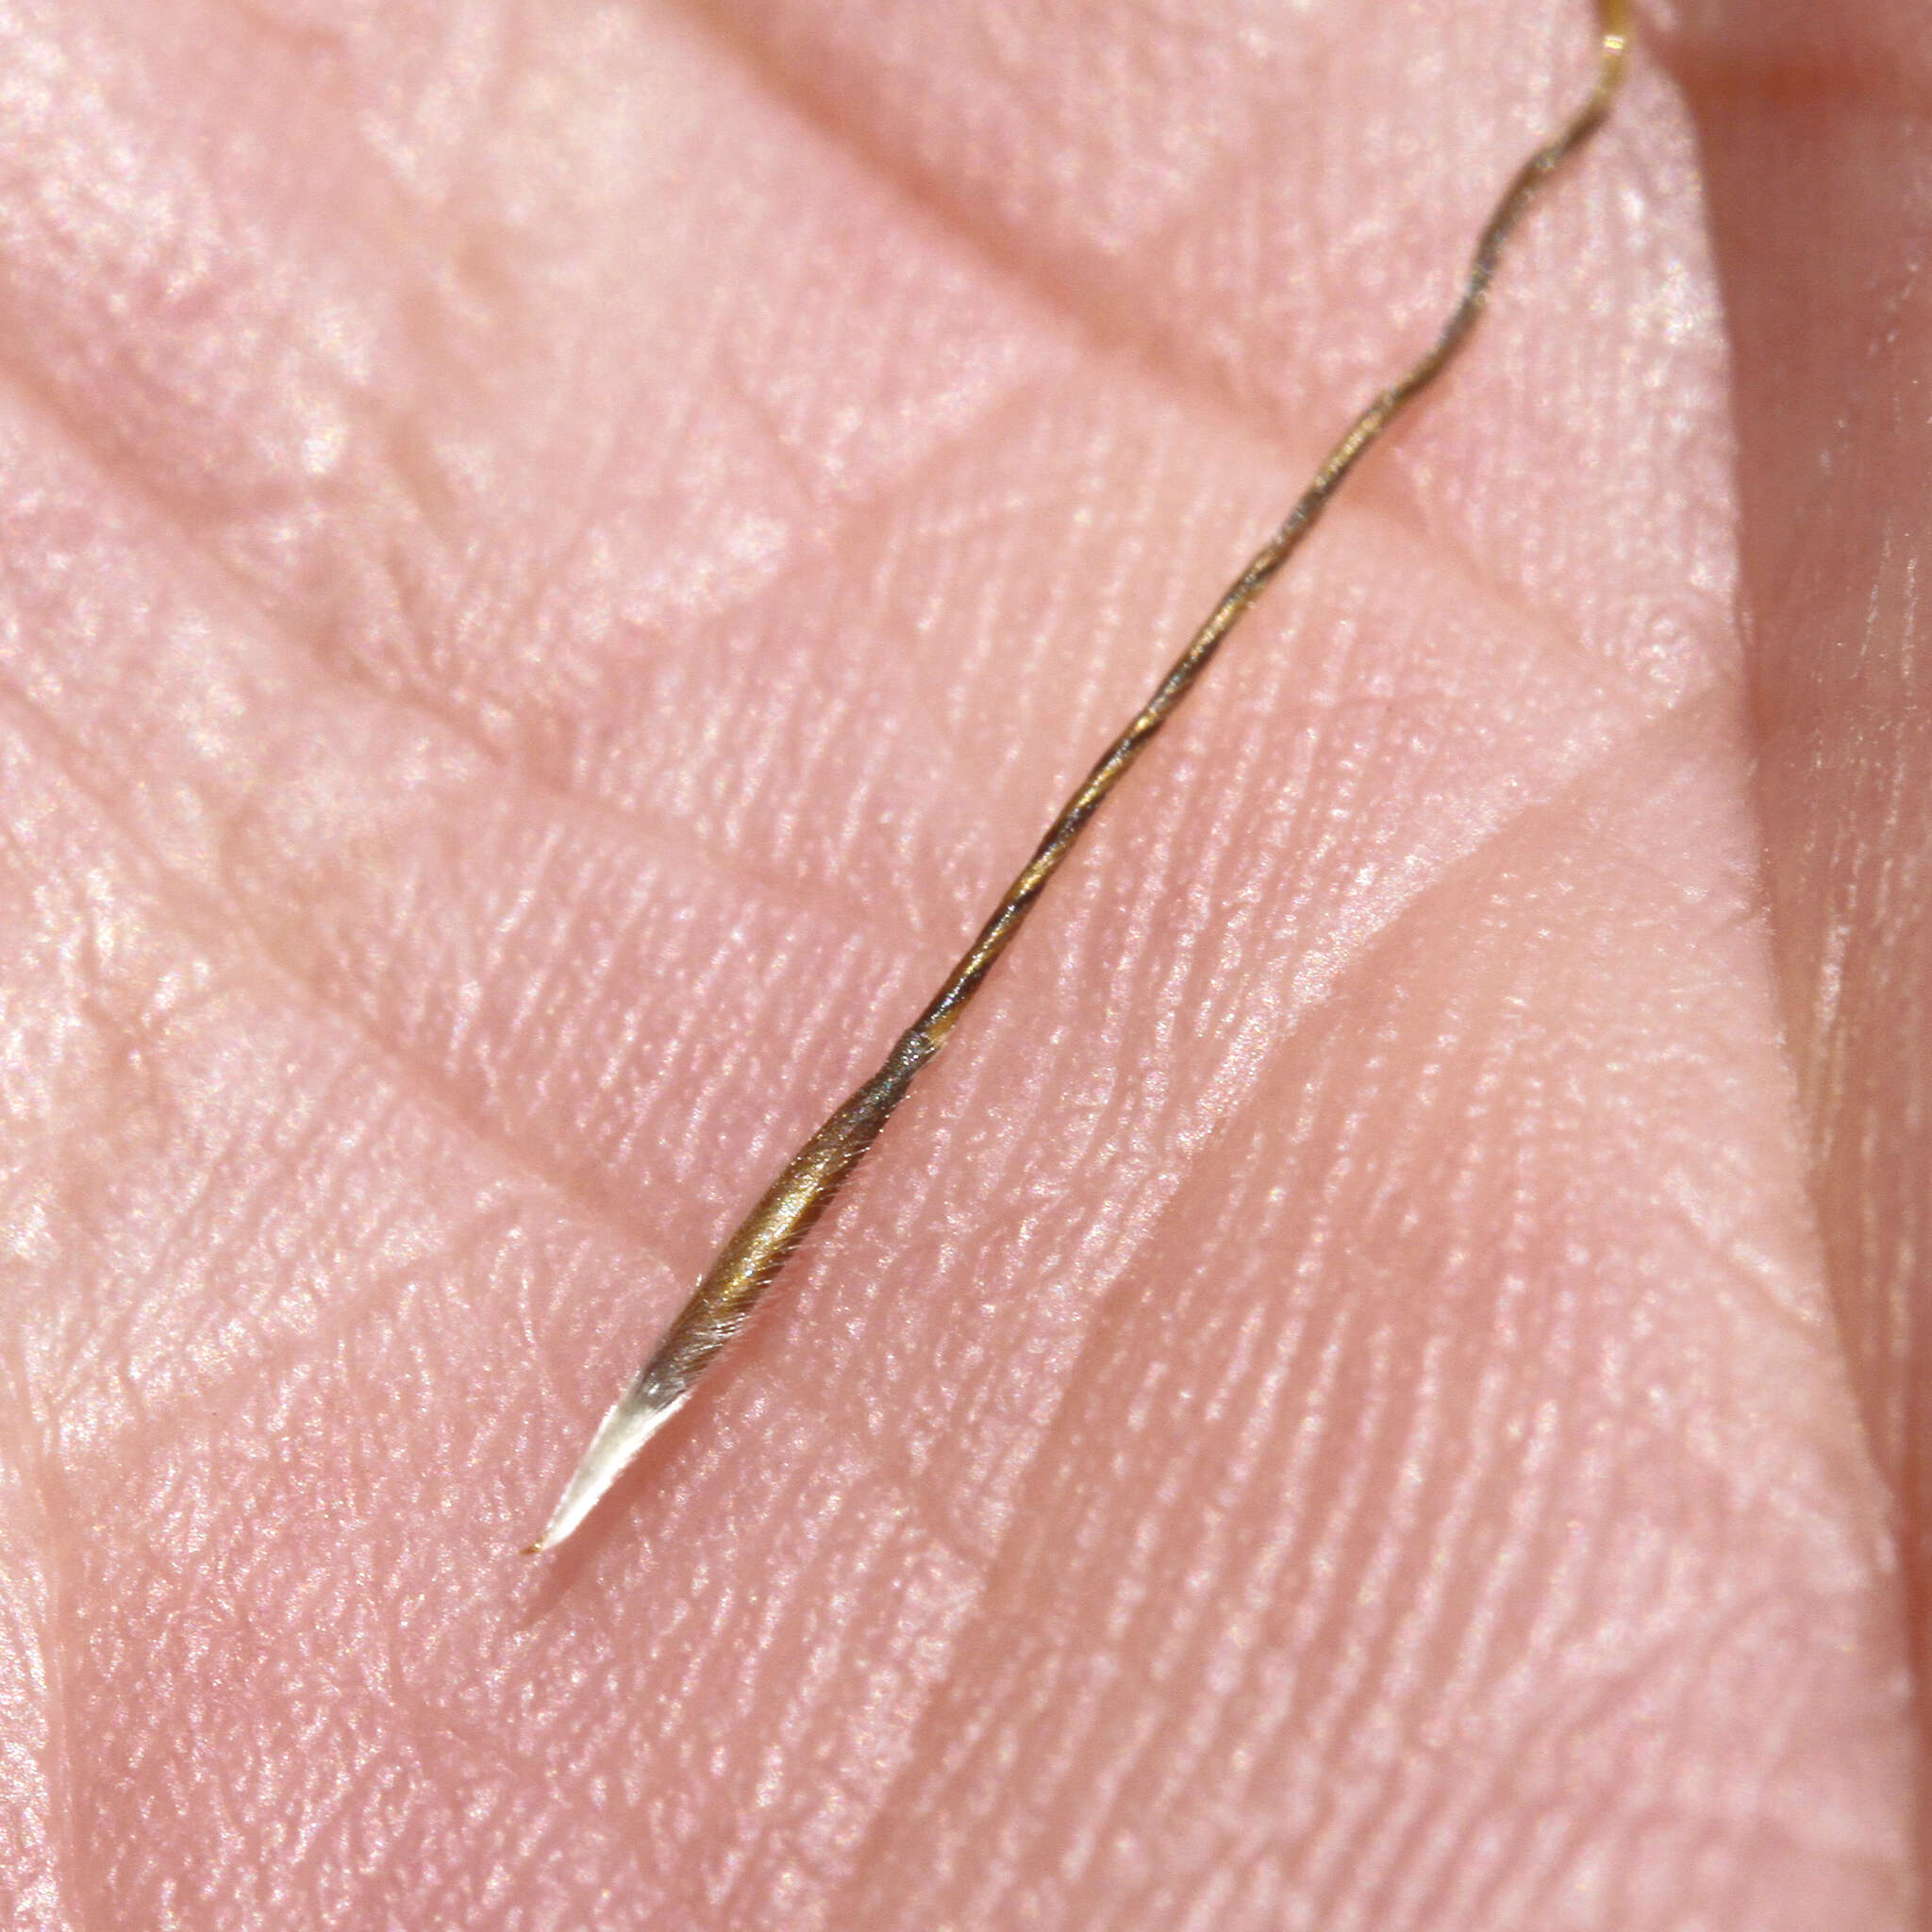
{"x": 557, "y": 557}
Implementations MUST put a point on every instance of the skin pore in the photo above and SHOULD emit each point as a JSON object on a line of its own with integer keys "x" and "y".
{"x": 1376, "y": 1386}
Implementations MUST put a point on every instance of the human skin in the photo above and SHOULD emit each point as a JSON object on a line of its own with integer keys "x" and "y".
{"x": 556, "y": 556}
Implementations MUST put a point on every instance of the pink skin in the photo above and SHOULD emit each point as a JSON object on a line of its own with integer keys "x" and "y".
{"x": 557, "y": 554}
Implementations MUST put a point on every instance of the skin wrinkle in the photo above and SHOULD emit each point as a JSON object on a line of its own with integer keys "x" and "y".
{"x": 1088, "y": 721}
{"x": 1389, "y": 487}
{"x": 480, "y": 741}
{"x": 423, "y": 1094}
{"x": 1831, "y": 347}
{"x": 206, "y": 917}
{"x": 768, "y": 71}
{"x": 612, "y": 1555}
{"x": 282, "y": 977}
{"x": 51, "y": 404}
{"x": 1359, "y": 963}
{"x": 40, "y": 737}
{"x": 1101, "y": 323}
{"x": 1368, "y": 502}
{"x": 443, "y": 714}
{"x": 149, "y": 1405}
{"x": 792, "y": 71}
{"x": 908, "y": 1808}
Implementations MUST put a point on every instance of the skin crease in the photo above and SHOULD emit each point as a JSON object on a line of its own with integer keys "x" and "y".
{"x": 1830, "y": 134}
{"x": 555, "y": 558}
